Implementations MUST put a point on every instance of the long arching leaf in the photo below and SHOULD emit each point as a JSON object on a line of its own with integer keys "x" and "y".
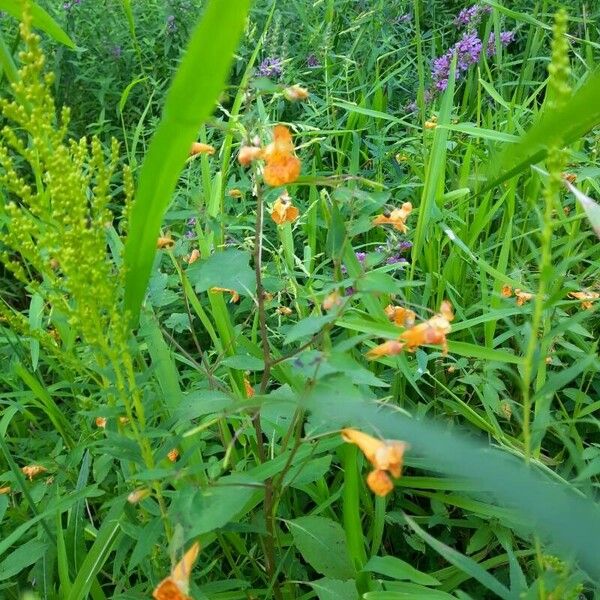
{"x": 190, "y": 101}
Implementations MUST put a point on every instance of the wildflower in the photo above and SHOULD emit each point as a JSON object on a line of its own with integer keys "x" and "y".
{"x": 283, "y": 210}
{"x": 570, "y": 177}
{"x": 248, "y": 154}
{"x": 432, "y": 331}
{"x": 400, "y": 315}
{"x": 396, "y": 217}
{"x": 173, "y": 455}
{"x": 101, "y": 422}
{"x": 164, "y": 242}
{"x": 271, "y": 67}
{"x": 471, "y": 17}
{"x": 384, "y": 455}
{"x": 138, "y": 495}
{"x": 5, "y": 490}
{"x": 586, "y": 298}
{"x": 312, "y": 61}
{"x": 234, "y": 193}
{"x": 332, "y": 300}
{"x": 123, "y": 420}
{"x": 392, "y": 260}
{"x": 235, "y": 297}
{"x": 282, "y": 166}
{"x": 248, "y": 388}
{"x": 507, "y": 291}
{"x": 285, "y": 311}
{"x": 193, "y": 257}
{"x": 506, "y": 38}
{"x": 295, "y": 93}
{"x": 200, "y": 148}
{"x": 389, "y": 348}
{"x": 522, "y": 297}
{"x": 468, "y": 51}
{"x": 379, "y": 482}
{"x": 176, "y": 585}
{"x": 30, "y": 471}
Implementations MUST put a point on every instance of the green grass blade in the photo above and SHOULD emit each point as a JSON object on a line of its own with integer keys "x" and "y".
{"x": 40, "y": 18}
{"x": 190, "y": 101}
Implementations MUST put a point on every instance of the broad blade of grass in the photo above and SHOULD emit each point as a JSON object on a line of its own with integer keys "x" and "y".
{"x": 40, "y": 18}
{"x": 190, "y": 101}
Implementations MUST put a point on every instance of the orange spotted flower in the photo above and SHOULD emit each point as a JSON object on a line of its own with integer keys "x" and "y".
{"x": 283, "y": 210}
{"x": 396, "y": 217}
{"x": 385, "y": 456}
{"x": 235, "y": 193}
{"x": 30, "y": 471}
{"x": 586, "y": 298}
{"x": 282, "y": 165}
{"x": 193, "y": 257}
{"x": 173, "y": 455}
{"x": 177, "y": 584}
{"x": 5, "y": 490}
{"x": 101, "y": 422}
{"x": 164, "y": 242}
{"x": 332, "y": 300}
{"x": 248, "y": 388}
{"x": 295, "y": 93}
{"x": 400, "y": 315}
{"x": 507, "y": 291}
{"x": 522, "y": 297}
{"x": 389, "y": 348}
{"x": 200, "y": 148}
{"x": 249, "y": 154}
{"x": 235, "y": 297}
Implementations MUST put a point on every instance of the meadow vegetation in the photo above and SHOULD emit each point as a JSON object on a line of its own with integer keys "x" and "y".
{"x": 299, "y": 300}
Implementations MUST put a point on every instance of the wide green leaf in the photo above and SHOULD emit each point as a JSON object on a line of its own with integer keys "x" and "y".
{"x": 40, "y": 19}
{"x": 393, "y": 567}
{"x": 21, "y": 558}
{"x": 228, "y": 269}
{"x": 190, "y": 101}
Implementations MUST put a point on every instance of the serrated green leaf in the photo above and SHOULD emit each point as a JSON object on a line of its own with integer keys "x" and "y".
{"x": 229, "y": 269}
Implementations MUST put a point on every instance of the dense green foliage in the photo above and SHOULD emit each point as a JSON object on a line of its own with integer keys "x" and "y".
{"x": 157, "y": 394}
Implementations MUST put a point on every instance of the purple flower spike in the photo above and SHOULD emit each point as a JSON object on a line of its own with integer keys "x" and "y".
{"x": 405, "y": 246}
{"x": 471, "y": 17}
{"x": 506, "y": 38}
{"x": 271, "y": 67}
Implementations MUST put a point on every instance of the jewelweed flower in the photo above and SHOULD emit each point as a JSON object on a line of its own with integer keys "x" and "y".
{"x": 570, "y": 177}
{"x": 295, "y": 93}
{"x": 400, "y": 315}
{"x": 30, "y": 471}
{"x": 5, "y": 490}
{"x": 384, "y": 455}
{"x": 164, "y": 242}
{"x": 282, "y": 165}
{"x": 389, "y": 348}
{"x": 586, "y": 298}
{"x": 201, "y": 148}
{"x": 396, "y": 217}
{"x": 285, "y": 311}
{"x": 193, "y": 257}
{"x": 248, "y": 388}
{"x": 248, "y": 154}
{"x": 173, "y": 455}
{"x": 138, "y": 495}
{"x": 507, "y": 291}
{"x": 522, "y": 297}
{"x": 283, "y": 210}
{"x": 177, "y": 584}
{"x": 235, "y": 297}
{"x": 234, "y": 193}
{"x": 432, "y": 331}
{"x": 332, "y": 300}
{"x": 101, "y": 422}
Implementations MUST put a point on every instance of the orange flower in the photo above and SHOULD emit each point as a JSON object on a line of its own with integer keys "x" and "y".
{"x": 432, "y": 331}
{"x": 522, "y": 297}
{"x": 400, "y": 315}
{"x": 389, "y": 348}
{"x": 173, "y": 455}
{"x": 379, "y": 482}
{"x": 570, "y": 177}
{"x": 430, "y": 124}
{"x": 30, "y": 471}
{"x": 248, "y": 387}
{"x": 234, "y": 193}
{"x": 283, "y": 210}
{"x": 101, "y": 422}
{"x": 193, "y": 257}
{"x": 396, "y": 217}
{"x": 5, "y": 490}
{"x": 295, "y": 93}
{"x": 235, "y": 297}
{"x": 138, "y": 495}
{"x": 506, "y": 291}
{"x": 249, "y": 154}
{"x": 200, "y": 148}
{"x": 332, "y": 300}
{"x": 384, "y": 455}
{"x": 282, "y": 166}
{"x": 177, "y": 584}
{"x": 586, "y": 298}
{"x": 164, "y": 242}
{"x": 285, "y": 311}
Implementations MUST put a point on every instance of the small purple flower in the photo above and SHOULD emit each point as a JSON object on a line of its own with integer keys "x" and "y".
{"x": 471, "y": 17}
{"x": 189, "y": 234}
{"x": 350, "y": 291}
{"x": 468, "y": 51}
{"x": 392, "y": 260}
{"x": 506, "y": 38}
{"x": 312, "y": 61}
{"x": 405, "y": 246}
{"x": 271, "y": 67}
{"x": 360, "y": 257}
{"x": 191, "y": 222}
